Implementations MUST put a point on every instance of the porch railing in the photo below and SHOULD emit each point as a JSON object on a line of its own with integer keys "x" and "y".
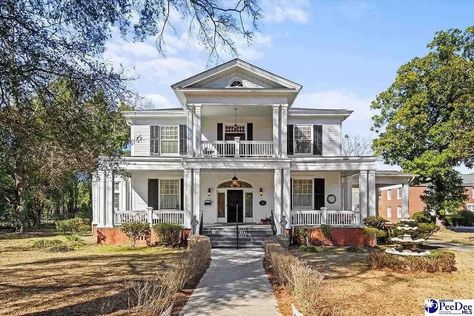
{"x": 324, "y": 216}
{"x": 149, "y": 216}
{"x": 237, "y": 148}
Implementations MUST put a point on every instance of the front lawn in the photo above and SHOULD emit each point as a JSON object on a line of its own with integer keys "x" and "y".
{"x": 89, "y": 280}
{"x": 351, "y": 288}
{"x": 446, "y": 235}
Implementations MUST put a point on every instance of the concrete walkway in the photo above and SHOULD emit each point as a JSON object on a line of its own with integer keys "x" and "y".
{"x": 234, "y": 284}
{"x": 449, "y": 245}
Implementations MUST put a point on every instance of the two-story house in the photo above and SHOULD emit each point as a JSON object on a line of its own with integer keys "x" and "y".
{"x": 237, "y": 151}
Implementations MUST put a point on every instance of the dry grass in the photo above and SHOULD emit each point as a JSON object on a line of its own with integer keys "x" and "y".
{"x": 89, "y": 280}
{"x": 446, "y": 235}
{"x": 350, "y": 288}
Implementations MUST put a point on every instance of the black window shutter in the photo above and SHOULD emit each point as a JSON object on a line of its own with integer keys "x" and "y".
{"x": 317, "y": 140}
{"x": 220, "y": 134}
{"x": 249, "y": 131}
{"x": 289, "y": 140}
{"x": 319, "y": 193}
{"x": 153, "y": 193}
{"x": 182, "y": 140}
{"x": 181, "y": 193}
{"x": 152, "y": 139}
{"x": 291, "y": 193}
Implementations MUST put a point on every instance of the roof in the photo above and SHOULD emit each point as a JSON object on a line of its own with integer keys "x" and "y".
{"x": 318, "y": 112}
{"x": 468, "y": 179}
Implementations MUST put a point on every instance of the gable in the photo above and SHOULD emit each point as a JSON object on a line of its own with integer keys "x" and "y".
{"x": 251, "y": 76}
{"x": 235, "y": 74}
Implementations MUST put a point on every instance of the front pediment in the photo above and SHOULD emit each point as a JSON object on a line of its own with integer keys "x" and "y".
{"x": 236, "y": 71}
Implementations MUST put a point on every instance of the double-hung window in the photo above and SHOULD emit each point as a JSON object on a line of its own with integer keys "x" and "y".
{"x": 116, "y": 196}
{"x": 303, "y": 139}
{"x": 389, "y": 212}
{"x": 169, "y": 194}
{"x": 169, "y": 139}
{"x": 389, "y": 194}
{"x": 399, "y": 193}
{"x": 303, "y": 194}
{"x": 399, "y": 212}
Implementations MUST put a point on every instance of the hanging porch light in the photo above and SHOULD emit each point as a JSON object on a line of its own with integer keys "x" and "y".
{"x": 235, "y": 181}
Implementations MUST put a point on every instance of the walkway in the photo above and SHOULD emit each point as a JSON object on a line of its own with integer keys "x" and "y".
{"x": 234, "y": 284}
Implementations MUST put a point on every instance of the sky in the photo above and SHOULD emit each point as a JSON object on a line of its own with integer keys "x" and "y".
{"x": 343, "y": 53}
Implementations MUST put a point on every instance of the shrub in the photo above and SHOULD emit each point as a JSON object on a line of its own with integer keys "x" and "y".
{"x": 155, "y": 295}
{"x": 423, "y": 217}
{"x": 300, "y": 279}
{"x": 355, "y": 249}
{"x": 326, "y": 230}
{"x": 74, "y": 240}
{"x": 425, "y": 230}
{"x": 375, "y": 221}
{"x": 134, "y": 231}
{"x": 462, "y": 218}
{"x": 168, "y": 234}
{"x": 437, "y": 261}
{"x": 374, "y": 232}
{"x": 73, "y": 225}
{"x": 301, "y": 234}
{"x": 60, "y": 248}
{"x": 46, "y": 243}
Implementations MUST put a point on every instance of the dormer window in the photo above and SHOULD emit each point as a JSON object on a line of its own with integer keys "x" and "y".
{"x": 237, "y": 84}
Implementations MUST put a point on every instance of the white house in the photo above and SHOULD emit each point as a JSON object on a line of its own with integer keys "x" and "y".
{"x": 236, "y": 150}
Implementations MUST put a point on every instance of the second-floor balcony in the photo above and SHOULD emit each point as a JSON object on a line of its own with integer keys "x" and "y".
{"x": 237, "y": 148}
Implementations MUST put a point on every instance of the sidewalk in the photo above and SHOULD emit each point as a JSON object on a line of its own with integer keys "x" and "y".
{"x": 234, "y": 284}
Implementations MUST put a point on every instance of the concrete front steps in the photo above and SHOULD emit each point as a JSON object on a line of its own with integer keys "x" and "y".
{"x": 225, "y": 236}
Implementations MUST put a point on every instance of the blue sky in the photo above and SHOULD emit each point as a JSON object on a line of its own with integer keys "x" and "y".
{"x": 343, "y": 52}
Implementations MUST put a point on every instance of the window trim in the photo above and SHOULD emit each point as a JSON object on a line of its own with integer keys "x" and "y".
{"x": 311, "y": 180}
{"x": 295, "y": 153}
{"x": 399, "y": 193}
{"x": 179, "y": 193}
{"x": 232, "y": 124}
{"x": 389, "y": 194}
{"x": 389, "y": 211}
{"x": 468, "y": 206}
{"x": 399, "y": 212}
{"x": 161, "y": 140}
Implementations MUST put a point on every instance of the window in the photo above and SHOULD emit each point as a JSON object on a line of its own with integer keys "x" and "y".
{"x": 389, "y": 212}
{"x": 302, "y": 194}
{"x": 169, "y": 194}
{"x": 116, "y": 195}
{"x": 169, "y": 136}
{"x": 248, "y": 204}
{"x": 399, "y": 193}
{"x": 303, "y": 135}
{"x": 399, "y": 212}
{"x": 389, "y": 194}
{"x": 237, "y": 83}
{"x": 470, "y": 207}
{"x": 154, "y": 139}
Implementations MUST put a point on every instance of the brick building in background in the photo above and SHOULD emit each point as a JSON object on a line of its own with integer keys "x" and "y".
{"x": 389, "y": 199}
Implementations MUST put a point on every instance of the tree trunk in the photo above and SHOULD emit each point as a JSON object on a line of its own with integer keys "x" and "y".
{"x": 18, "y": 215}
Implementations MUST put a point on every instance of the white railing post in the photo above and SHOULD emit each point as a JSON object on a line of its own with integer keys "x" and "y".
{"x": 150, "y": 215}
{"x": 237, "y": 146}
{"x": 324, "y": 213}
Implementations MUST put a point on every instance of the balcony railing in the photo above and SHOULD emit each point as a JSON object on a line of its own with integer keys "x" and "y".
{"x": 237, "y": 148}
{"x": 324, "y": 216}
{"x": 149, "y": 216}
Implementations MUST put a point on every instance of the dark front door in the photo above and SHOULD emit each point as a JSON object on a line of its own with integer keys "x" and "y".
{"x": 235, "y": 206}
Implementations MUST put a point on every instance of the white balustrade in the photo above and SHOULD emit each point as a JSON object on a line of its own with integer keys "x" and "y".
{"x": 323, "y": 216}
{"x": 157, "y": 216}
{"x": 168, "y": 216}
{"x": 237, "y": 148}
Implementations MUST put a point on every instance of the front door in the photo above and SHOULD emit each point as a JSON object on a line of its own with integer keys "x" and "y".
{"x": 235, "y": 206}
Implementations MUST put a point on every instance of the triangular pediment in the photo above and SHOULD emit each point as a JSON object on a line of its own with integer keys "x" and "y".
{"x": 236, "y": 74}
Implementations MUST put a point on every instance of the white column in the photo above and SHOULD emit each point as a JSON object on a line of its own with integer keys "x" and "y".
{"x": 109, "y": 207}
{"x": 95, "y": 199}
{"x": 363, "y": 194}
{"x": 405, "y": 193}
{"x": 188, "y": 196}
{"x": 197, "y": 193}
{"x": 372, "y": 193}
{"x": 277, "y": 207}
{"x": 286, "y": 196}
{"x": 101, "y": 199}
{"x": 348, "y": 195}
{"x": 189, "y": 132}
{"x": 276, "y": 132}
{"x": 284, "y": 132}
{"x": 197, "y": 130}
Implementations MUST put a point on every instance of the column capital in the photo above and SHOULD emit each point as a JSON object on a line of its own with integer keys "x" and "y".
{"x": 275, "y": 107}
{"x": 284, "y": 106}
{"x": 277, "y": 171}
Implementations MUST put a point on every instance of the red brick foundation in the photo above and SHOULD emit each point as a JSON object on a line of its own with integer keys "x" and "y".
{"x": 341, "y": 237}
{"x": 114, "y": 236}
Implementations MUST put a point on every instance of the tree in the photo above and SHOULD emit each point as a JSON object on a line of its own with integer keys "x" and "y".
{"x": 356, "y": 146}
{"x": 60, "y": 101}
{"x": 425, "y": 122}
